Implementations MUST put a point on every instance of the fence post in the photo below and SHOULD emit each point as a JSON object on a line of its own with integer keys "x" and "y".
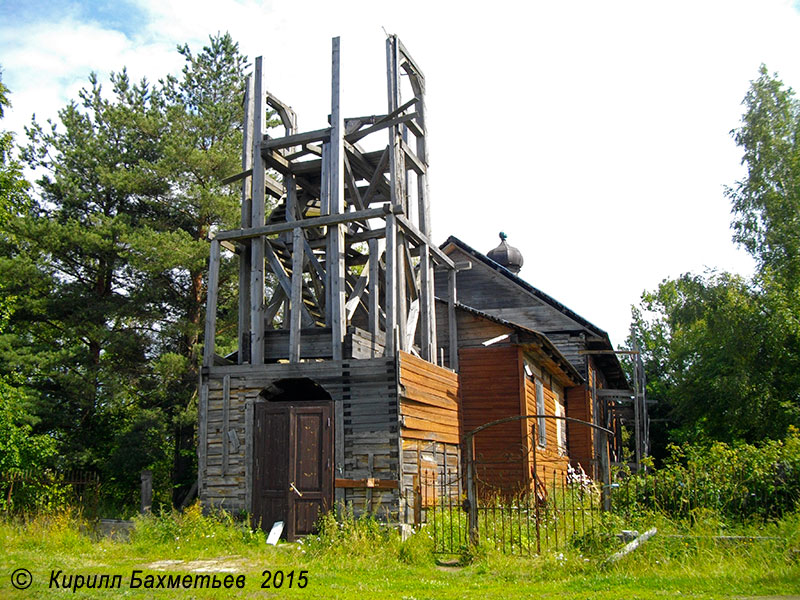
{"x": 471, "y": 495}
{"x": 147, "y": 491}
{"x": 605, "y": 473}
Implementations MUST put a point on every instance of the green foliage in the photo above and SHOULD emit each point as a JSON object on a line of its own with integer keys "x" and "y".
{"x": 13, "y": 186}
{"x": 766, "y": 203}
{"x": 722, "y": 353}
{"x": 731, "y": 482}
{"x": 22, "y": 454}
{"x": 104, "y": 269}
{"x": 718, "y": 356}
{"x": 681, "y": 559}
{"x": 350, "y": 537}
{"x": 191, "y": 531}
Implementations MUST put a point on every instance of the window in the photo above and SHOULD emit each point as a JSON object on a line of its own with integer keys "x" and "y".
{"x": 540, "y": 411}
{"x": 561, "y": 430}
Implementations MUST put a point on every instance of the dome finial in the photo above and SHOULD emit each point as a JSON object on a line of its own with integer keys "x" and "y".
{"x": 506, "y": 255}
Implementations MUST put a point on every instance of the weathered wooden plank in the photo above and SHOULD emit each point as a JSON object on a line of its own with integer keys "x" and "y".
{"x": 424, "y": 396}
{"x": 295, "y": 316}
{"x": 412, "y": 364}
{"x": 451, "y": 319}
{"x": 202, "y": 442}
{"x": 257, "y": 220}
{"x": 335, "y": 262}
{"x": 226, "y": 401}
{"x": 249, "y": 436}
{"x": 429, "y": 436}
{"x": 211, "y": 304}
{"x": 390, "y": 301}
{"x": 246, "y": 221}
{"x": 378, "y": 180}
{"x": 427, "y": 411}
{"x": 367, "y": 483}
{"x": 374, "y": 300}
{"x": 415, "y": 234}
{"x": 321, "y": 221}
{"x": 297, "y": 139}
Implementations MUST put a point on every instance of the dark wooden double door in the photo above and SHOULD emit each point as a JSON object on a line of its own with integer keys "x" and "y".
{"x": 292, "y": 465}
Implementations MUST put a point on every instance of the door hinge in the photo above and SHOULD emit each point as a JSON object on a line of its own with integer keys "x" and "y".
{"x": 329, "y": 421}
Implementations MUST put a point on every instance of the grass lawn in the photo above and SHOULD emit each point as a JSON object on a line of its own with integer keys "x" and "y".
{"x": 363, "y": 562}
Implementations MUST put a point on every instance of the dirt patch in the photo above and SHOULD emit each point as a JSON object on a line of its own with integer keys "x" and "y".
{"x": 223, "y": 564}
{"x": 449, "y": 565}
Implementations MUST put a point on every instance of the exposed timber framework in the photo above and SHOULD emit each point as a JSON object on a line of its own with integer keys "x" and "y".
{"x": 335, "y": 382}
{"x": 348, "y": 243}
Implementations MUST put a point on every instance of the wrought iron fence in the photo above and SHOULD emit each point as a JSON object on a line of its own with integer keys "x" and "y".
{"x": 565, "y": 508}
{"x": 29, "y": 489}
{"x": 738, "y": 494}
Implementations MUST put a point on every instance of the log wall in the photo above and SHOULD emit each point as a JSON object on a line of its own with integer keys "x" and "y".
{"x": 429, "y": 407}
{"x": 552, "y": 457}
{"x": 366, "y": 429}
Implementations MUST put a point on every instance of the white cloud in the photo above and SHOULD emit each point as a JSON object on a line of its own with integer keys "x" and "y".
{"x": 596, "y": 134}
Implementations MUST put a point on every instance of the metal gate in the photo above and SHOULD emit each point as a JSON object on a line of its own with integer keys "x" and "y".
{"x": 557, "y": 509}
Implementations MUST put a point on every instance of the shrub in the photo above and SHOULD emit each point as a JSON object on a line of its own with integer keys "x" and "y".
{"x": 738, "y": 481}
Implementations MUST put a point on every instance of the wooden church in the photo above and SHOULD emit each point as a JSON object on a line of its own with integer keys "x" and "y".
{"x": 346, "y": 385}
{"x": 335, "y": 385}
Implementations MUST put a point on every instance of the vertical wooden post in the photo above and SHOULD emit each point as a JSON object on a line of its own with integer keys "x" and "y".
{"x": 211, "y": 305}
{"x": 257, "y": 220}
{"x": 296, "y": 305}
{"x": 374, "y": 301}
{"x": 427, "y": 300}
{"x": 202, "y": 437}
{"x": 226, "y": 404}
{"x": 249, "y": 436}
{"x": 391, "y": 283}
{"x": 335, "y": 234}
{"x": 535, "y": 443}
{"x": 325, "y": 209}
{"x": 472, "y": 496}
{"x": 452, "y": 326}
{"x": 147, "y": 491}
{"x": 246, "y": 220}
{"x": 637, "y": 416}
{"x": 401, "y": 311}
{"x": 605, "y": 470}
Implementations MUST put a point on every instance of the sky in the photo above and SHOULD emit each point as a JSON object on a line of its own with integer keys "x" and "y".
{"x": 596, "y": 134}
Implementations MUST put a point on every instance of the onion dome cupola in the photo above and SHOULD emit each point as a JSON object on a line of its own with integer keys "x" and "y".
{"x": 506, "y": 255}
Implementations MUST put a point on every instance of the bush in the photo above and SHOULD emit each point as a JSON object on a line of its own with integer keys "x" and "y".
{"x": 738, "y": 481}
{"x": 191, "y": 530}
{"x": 349, "y": 536}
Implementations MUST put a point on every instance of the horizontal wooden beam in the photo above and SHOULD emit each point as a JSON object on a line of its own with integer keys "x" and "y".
{"x": 604, "y": 393}
{"x": 272, "y": 187}
{"x": 298, "y": 139}
{"x": 356, "y": 215}
{"x": 237, "y": 177}
{"x": 608, "y": 352}
{"x": 369, "y": 482}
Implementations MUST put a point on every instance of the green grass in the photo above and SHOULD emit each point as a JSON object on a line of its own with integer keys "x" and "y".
{"x": 364, "y": 560}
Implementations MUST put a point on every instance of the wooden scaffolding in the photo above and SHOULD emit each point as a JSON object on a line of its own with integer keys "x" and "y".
{"x": 348, "y": 244}
{"x": 336, "y": 388}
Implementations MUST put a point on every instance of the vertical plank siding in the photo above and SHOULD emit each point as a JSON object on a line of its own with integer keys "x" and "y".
{"x": 490, "y": 390}
{"x": 580, "y": 439}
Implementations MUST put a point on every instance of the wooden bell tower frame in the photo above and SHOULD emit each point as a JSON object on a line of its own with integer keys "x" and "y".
{"x": 348, "y": 245}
